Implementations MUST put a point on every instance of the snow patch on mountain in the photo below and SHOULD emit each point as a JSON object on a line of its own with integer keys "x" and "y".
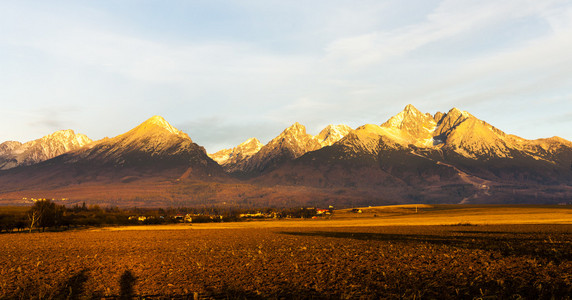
{"x": 292, "y": 143}
{"x": 233, "y": 159}
{"x": 13, "y": 154}
{"x": 332, "y": 133}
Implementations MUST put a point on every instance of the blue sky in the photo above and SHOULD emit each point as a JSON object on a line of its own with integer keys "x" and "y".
{"x": 225, "y": 71}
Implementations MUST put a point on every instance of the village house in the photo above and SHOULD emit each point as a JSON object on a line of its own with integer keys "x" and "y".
{"x": 179, "y": 218}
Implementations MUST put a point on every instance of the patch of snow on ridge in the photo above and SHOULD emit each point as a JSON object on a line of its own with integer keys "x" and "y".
{"x": 332, "y": 133}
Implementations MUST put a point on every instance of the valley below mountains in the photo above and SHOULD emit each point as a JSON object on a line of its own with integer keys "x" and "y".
{"x": 413, "y": 157}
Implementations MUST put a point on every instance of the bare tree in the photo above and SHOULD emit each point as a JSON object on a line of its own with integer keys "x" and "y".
{"x": 45, "y": 213}
{"x": 33, "y": 217}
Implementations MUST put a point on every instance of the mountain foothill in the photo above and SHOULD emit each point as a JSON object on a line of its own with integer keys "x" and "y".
{"x": 413, "y": 157}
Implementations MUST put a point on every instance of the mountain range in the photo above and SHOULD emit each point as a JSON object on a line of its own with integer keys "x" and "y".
{"x": 413, "y": 157}
{"x": 13, "y": 154}
{"x": 252, "y": 158}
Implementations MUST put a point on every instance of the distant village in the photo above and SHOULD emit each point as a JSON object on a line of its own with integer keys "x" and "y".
{"x": 306, "y": 212}
{"x": 47, "y": 214}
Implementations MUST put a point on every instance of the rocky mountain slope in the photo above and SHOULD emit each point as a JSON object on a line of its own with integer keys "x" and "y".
{"x": 153, "y": 145}
{"x": 332, "y": 134}
{"x": 451, "y": 155}
{"x": 154, "y": 149}
{"x": 292, "y": 143}
{"x": 413, "y": 157}
{"x": 233, "y": 160}
{"x": 13, "y": 154}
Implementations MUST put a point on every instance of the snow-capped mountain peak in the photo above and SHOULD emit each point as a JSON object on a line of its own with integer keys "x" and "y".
{"x": 412, "y": 126}
{"x": 234, "y": 159}
{"x": 13, "y": 154}
{"x": 333, "y": 133}
{"x": 291, "y": 143}
{"x": 295, "y": 129}
{"x": 410, "y": 118}
{"x": 68, "y": 138}
{"x": 252, "y": 144}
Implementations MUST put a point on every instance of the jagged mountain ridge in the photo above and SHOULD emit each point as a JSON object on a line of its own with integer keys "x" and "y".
{"x": 292, "y": 143}
{"x": 447, "y": 157}
{"x": 13, "y": 154}
{"x": 450, "y": 155}
{"x": 233, "y": 160}
{"x": 456, "y": 131}
{"x": 154, "y": 149}
{"x": 332, "y": 133}
{"x": 153, "y": 145}
{"x": 412, "y": 126}
{"x": 154, "y": 137}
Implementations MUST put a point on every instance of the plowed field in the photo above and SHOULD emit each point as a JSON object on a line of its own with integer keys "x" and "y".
{"x": 497, "y": 261}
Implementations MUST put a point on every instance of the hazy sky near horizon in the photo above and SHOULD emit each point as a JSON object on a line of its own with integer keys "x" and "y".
{"x": 225, "y": 71}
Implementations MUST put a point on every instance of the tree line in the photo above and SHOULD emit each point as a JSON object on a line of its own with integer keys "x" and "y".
{"x": 47, "y": 215}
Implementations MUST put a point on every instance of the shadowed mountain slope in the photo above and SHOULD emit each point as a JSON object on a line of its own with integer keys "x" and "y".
{"x": 452, "y": 157}
{"x": 252, "y": 159}
{"x": 413, "y": 157}
{"x": 153, "y": 151}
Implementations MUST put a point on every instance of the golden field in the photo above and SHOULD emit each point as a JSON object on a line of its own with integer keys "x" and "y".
{"x": 437, "y": 252}
{"x": 399, "y": 215}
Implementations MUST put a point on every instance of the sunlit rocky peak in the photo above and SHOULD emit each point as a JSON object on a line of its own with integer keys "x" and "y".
{"x": 411, "y": 119}
{"x": 155, "y": 135}
{"x": 332, "y": 134}
{"x": 68, "y": 138}
{"x": 292, "y": 143}
{"x": 154, "y": 144}
{"x": 451, "y": 119}
{"x": 296, "y": 140}
{"x": 295, "y": 128}
{"x": 456, "y": 130}
{"x": 251, "y": 143}
{"x": 412, "y": 127}
{"x": 233, "y": 159}
{"x": 365, "y": 139}
{"x": 243, "y": 150}
{"x": 248, "y": 148}
{"x": 13, "y": 154}
{"x": 158, "y": 122}
{"x": 7, "y": 148}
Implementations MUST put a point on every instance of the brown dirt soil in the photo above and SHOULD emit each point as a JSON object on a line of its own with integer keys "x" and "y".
{"x": 496, "y": 261}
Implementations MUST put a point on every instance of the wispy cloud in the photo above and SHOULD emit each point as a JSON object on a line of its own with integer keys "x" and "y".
{"x": 451, "y": 18}
{"x": 276, "y": 62}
